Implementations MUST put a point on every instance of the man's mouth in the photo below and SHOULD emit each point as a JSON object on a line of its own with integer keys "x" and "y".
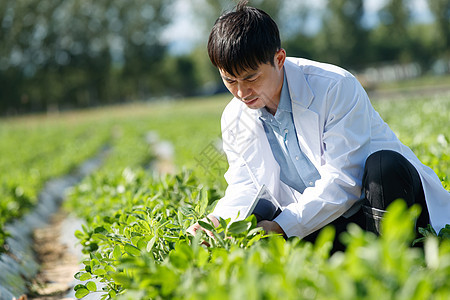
{"x": 251, "y": 101}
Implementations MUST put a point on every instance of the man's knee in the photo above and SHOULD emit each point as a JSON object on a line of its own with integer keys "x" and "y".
{"x": 389, "y": 176}
{"x": 387, "y": 163}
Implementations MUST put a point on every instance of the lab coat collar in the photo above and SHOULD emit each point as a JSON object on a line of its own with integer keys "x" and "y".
{"x": 299, "y": 88}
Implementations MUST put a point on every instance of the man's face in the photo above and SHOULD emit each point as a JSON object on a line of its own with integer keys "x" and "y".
{"x": 258, "y": 88}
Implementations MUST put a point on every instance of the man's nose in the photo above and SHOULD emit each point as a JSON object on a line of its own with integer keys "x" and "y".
{"x": 243, "y": 91}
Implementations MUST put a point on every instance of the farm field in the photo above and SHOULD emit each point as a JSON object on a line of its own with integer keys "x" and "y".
{"x": 37, "y": 148}
{"x": 135, "y": 238}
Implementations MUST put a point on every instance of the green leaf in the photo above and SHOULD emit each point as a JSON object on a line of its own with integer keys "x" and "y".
{"x": 151, "y": 243}
{"x": 255, "y": 231}
{"x": 91, "y": 286}
{"x": 444, "y": 233}
{"x": 419, "y": 240}
{"x": 133, "y": 250}
{"x": 100, "y": 230}
{"x": 186, "y": 224}
{"x": 397, "y": 225}
{"x": 187, "y": 211}
{"x": 427, "y": 231}
{"x": 112, "y": 294}
{"x": 142, "y": 243}
{"x": 178, "y": 260}
{"x": 121, "y": 279}
{"x": 78, "y": 286}
{"x": 180, "y": 217}
{"x": 109, "y": 268}
{"x": 252, "y": 219}
{"x": 99, "y": 236}
{"x": 79, "y": 235}
{"x": 80, "y": 293}
{"x": 239, "y": 227}
{"x": 117, "y": 253}
{"x": 203, "y": 201}
{"x": 202, "y": 256}
{"x": 85, "y": 276}
{"x": 324, "y": 241}
{"x": 93, "y": 247}
{"x": 254, "y": 239}
{"x": 185, "y": 249}
{"x": 94, "y": 260}
{"x": 170, "y": 238}
{"x": 219, "y": 239}
{"x": 135, "y": 238}
{"x": 205, "y": 225}
{"x": 223, "y": 223}
{"x": 99, "y": 272}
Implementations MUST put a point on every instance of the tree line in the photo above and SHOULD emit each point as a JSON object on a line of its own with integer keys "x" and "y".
{"x": 67, "y": 54}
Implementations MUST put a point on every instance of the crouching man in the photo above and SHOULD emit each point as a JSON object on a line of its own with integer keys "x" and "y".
{"x": 308, "y": 132}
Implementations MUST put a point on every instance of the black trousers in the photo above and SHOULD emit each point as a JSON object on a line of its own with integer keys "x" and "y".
{"x": 387, "y": 177}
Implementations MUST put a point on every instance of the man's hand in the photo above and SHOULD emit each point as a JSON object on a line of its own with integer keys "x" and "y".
{"x": 194, "y": 228}
{"x": 271, "y": 226}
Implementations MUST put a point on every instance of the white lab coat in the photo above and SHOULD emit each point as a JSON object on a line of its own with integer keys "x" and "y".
{"x": 337, "y": 129}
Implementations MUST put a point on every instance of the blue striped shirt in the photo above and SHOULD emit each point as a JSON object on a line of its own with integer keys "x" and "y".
{"x": 296, "y": 170}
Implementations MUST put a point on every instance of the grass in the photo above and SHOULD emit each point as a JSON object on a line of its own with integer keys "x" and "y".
{"x": 427, "y": 81}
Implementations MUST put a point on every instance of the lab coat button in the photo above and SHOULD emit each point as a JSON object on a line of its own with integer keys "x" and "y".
{"x": 310, "y": 183}
{"x": 296, "y": 158}
{"x": 286, "y": 131}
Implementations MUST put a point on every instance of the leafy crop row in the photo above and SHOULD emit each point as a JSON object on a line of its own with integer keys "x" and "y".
{"x": 37, "y": 148}
{"x": 32, "y": 154}
{"x": 423, "y": 125}
{"x": 139, "y": 249}
{"x": 136, "y": 244}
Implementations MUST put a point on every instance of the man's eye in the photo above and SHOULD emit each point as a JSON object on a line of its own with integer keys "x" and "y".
{"x": 231, "y": 81}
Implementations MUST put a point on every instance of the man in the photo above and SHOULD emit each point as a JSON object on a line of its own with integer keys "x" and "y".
{"x": 308, "y": 132}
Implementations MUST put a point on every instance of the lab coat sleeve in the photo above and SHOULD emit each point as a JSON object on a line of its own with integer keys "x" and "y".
{"x": 241, "y": 188}
{"x": 345, "y": 143}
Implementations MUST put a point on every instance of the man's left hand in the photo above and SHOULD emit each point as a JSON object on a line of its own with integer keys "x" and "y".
{"x": 271, "y": 226}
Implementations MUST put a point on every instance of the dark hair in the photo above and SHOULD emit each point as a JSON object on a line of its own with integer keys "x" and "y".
{"x": 243, "y": 39}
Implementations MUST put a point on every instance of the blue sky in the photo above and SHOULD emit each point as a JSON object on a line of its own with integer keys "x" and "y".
{"x": 182, "y": 35}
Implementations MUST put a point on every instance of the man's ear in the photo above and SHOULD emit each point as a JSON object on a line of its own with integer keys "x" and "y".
{"x": 280, "y": 57}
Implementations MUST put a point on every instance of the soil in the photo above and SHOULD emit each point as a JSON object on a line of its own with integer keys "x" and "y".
{"x": 58, "y": 264}
{"x": 57, "y": 260}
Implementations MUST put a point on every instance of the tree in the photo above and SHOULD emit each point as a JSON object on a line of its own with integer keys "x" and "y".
{"x": 80, "y": 52}
{"x": 343, "y": 38}
{"x": 295, "y": 37}
{"x": 441, "y": 12}
{"x": 391, "y": 40}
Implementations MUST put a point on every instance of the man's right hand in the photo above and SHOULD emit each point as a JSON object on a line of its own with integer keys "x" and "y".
{"x": 194, "y": 228}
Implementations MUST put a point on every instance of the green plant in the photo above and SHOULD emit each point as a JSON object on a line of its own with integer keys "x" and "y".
{"x": 147, "y": 255}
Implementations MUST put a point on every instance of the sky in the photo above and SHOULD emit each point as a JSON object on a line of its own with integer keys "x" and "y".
{"x": 181, "y": 39}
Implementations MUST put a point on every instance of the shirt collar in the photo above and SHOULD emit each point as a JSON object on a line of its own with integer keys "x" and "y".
{"x": 285, "y": 98}
{"x": 283, "y": 106}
